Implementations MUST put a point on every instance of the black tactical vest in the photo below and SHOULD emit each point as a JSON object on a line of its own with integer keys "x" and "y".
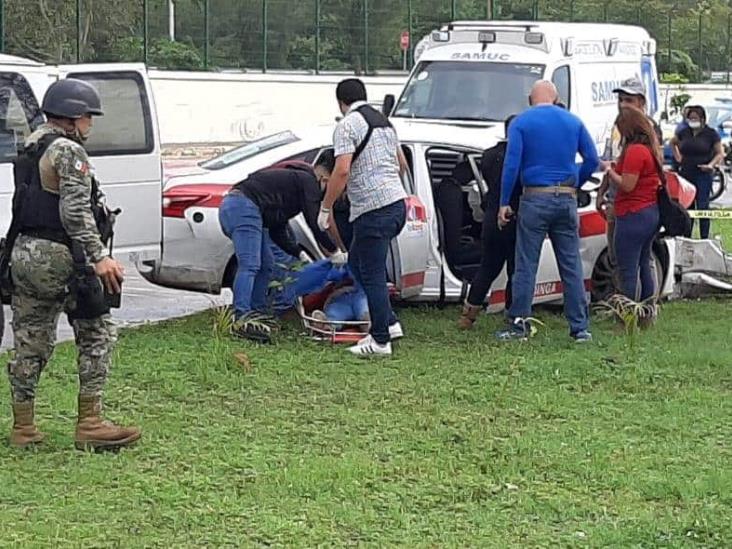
{"x": 38, "y": 210}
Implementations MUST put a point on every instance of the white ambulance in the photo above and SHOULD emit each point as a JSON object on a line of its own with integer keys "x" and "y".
{"x": 469, "y": 76}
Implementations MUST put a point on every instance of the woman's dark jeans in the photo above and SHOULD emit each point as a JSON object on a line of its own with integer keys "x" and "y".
{"x": 634, "y": 236}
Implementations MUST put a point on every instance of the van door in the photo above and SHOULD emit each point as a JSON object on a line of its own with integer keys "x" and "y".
{"x": 125, "y": 152}
{"x": 20, "y": 114}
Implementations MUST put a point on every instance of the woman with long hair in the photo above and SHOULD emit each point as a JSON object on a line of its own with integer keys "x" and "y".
{"x": 636, "y": 205}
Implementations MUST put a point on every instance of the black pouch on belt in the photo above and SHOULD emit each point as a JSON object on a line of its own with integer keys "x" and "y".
{"x": 92, "y": 299}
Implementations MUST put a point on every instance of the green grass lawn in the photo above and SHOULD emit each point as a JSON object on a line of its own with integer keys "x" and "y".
{"x": 457, "y": 441}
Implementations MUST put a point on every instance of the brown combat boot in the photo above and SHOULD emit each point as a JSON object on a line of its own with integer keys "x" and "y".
{"x": 94, "y": 433}
{"x": 469, "y": 316}
{"x": 24, "y": 433}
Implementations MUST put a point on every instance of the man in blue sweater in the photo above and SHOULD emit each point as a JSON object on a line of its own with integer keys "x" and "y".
{"x": 543, "y": 143}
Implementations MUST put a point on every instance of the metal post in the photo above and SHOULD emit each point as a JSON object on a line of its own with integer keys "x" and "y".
{"x": 264, "y": 35}
{"x": 78, "y": 31}
{"x": 571, "y": 10}
{"x": 410, "y": 30}
{"x": 453, "y": 10}
{"x": 669, "y": 41}
{"x": 206, "y": 32}
{"x": 145, "y": 30}
{"x": 639, "y": 16}
{"x": 727, "y": 49}
{"x": 317, "y": 36}
{"x": 171, "y": 20}
{"x": 365, "y": 36}
{"x": 699, "y": 45}
{"x": 2, "y": 26}
{"x": 536, "y": 10}
{"x": 604, "y": 12}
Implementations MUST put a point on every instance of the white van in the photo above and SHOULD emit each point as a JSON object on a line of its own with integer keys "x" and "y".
{"x": 124, "y": 145}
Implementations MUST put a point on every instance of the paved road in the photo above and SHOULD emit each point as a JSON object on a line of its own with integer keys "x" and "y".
{"x": 142, "y": 302}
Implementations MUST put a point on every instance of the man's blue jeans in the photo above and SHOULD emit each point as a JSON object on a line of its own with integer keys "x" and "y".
{"x": 372, "y": 233}
{"x": 241, "y": 221}
{"x": 554, "y": 215}
{"x": 282, "y": 298}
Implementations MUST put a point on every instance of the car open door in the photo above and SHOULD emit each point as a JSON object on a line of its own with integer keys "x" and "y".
{"x": 410, "y": 250}
{"x": 125, "y": 153}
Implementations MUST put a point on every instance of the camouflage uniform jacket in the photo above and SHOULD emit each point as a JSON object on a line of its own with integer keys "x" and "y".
{"x": 66, "y": 171}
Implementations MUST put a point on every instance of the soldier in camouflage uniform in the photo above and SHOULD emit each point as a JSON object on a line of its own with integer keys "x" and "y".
{"x": 42, "y": 268}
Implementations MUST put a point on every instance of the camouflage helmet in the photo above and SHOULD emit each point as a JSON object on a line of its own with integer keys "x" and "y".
{"x": 72, "y": 98}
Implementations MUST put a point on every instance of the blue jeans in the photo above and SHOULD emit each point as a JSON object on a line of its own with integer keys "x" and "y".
{"x": 348, "y": 306}
{"x": 703, "y": 183}
{"x": 372, "y": 234}
{"x": 241, "y": 221}
{"x": 282, "y": 297}
{"x": 554, "y": 215}
{"x": 634, "y": 236}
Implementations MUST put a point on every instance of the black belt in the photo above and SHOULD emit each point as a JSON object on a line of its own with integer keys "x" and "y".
{"x": 53, "y": 235}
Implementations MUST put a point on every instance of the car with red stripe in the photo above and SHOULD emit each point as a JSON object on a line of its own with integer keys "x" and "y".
{"x": 423, "y": 264}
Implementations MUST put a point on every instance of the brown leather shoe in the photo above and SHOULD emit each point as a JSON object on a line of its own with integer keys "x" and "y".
{"x": 94, "y": 433}
{"x": 24, "y": 433}
{"x": 469, "y": 316}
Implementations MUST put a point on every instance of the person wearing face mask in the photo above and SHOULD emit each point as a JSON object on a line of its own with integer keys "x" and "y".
{"x": 268, "y": 199}
{"x": 55, "y": 210}
{"x": 698, "y": 150}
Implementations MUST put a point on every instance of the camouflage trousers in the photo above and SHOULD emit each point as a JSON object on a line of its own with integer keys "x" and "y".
{"x": 41, "y": 271}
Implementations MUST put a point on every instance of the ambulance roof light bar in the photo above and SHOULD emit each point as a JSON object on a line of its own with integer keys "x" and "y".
{"x": 488, "y": 25}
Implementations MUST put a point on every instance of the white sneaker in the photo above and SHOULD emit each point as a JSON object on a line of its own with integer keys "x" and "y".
{"x": 368, "y": 347}
{"x": 396, "y": 331}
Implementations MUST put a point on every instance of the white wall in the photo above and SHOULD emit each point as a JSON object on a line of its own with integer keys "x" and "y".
{"x": 231, "y": 108}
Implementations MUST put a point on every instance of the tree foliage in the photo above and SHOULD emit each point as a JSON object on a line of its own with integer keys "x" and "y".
{"x": 354, "y": 35}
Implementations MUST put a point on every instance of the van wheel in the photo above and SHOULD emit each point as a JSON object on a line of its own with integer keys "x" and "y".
{"x": 606, "y": 284}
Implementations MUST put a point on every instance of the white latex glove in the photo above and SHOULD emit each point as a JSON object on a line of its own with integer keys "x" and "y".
{"x": 304, "y": 257}
{"x": 339, "y": 259}
{"x": 324, "y": 219}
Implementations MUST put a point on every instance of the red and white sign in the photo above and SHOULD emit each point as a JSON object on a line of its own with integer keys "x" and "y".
{"x": 404, "y": 40}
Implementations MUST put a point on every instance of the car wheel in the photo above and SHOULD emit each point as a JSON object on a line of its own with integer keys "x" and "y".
{"x": 719, "y": 184}
{"x": 605, "y": 283}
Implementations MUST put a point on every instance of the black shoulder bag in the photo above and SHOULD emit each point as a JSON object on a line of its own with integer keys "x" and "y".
{"x": 673, "y": 217}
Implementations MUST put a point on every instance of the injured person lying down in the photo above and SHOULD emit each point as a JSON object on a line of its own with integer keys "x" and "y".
{"x": 331, "y": 300}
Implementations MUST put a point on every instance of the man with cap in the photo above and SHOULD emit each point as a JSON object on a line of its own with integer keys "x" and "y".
{"x": 59, "y": 185}
{"x": 631, "y": 93}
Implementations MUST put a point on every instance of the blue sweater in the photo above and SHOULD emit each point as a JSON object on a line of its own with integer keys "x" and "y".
{"x": 543, "y": 143}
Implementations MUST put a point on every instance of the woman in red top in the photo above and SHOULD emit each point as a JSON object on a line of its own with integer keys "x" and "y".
{"x": 636, "y": 204}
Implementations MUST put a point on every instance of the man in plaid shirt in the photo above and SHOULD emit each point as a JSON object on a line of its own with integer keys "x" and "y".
{"x": 369, "y": 164}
